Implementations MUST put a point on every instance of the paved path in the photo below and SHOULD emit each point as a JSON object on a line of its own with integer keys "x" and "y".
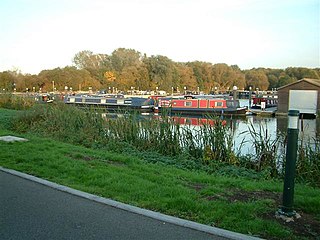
{"x": 29, "y": 210}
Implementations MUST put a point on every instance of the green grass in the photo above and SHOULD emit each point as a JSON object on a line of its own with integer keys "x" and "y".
{"x": 193, "y": 195}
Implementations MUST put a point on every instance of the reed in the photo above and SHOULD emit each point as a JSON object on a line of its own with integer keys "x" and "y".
{"x": 62, "y": 122}
{"x": 11, "y": 101}
{"x": 266, "y": 149}
{"x": 159, "y": 134}
{"x": 219, "y": 138}
{"x": 308, "y": 161}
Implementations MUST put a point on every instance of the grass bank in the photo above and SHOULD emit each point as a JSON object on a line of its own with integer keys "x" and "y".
{"x": 238, "y": 204}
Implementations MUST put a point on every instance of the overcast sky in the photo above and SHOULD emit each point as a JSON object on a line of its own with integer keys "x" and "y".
{"x": 45, "y": 34}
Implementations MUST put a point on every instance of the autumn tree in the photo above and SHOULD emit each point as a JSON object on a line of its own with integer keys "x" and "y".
{"x": 87, "y": 60}
{"x": 203, "y": 74}
{"x": 77, "y": 79}
{"x": 7, "y": 81}
{"x": 122, "y": 57}
{"x": 143, "y": 82}
{"x": 299, "y": 73}
{"x": 96, "y": 64}
{"x": 128, "y": 68}
{"x": 257, "y": 79}
{"x": 225, "y": 77}
{"x": 162, "y": 72}
{"x": 186, "y": 77}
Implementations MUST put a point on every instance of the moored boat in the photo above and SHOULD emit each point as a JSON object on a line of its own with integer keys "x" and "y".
{"x": 201, "y": 105}
{"x": 112, "y": 102}
{"x": 264, "y": 102}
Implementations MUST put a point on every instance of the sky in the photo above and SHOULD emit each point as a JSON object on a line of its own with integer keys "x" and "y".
{"x": 44, "y": 34}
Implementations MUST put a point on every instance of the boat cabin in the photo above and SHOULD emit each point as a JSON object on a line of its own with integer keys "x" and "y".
{"x": 264, "y": 102}
{"x": 192, "y": 103}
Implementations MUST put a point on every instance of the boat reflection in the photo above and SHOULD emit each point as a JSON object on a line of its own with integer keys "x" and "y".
{"x": 194, "y": 121}
{"x": 270, "y": 128}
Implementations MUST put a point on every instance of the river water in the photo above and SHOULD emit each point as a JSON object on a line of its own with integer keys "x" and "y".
{"x": 270, "y": 128}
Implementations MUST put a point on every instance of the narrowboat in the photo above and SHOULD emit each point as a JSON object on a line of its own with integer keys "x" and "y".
{"x": 264, "y": 102}
{"x": 111, "y": 102}
{"x": 201, "y": 105}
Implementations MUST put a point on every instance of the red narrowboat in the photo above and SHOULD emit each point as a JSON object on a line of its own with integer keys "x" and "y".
{"x": 200, "y": 105}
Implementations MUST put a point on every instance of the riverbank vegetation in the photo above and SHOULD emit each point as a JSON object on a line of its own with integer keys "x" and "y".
{"x": 208, "y": 147}
{"x": 128, "y": 69}
{"x": 11, "y": 101}
{"x": 70, "y": 147}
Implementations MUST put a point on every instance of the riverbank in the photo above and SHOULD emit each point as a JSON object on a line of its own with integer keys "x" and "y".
{"x": 234, "y": 203}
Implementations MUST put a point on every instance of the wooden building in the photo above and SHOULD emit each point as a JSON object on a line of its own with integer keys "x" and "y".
{"x": 302, "y": 95}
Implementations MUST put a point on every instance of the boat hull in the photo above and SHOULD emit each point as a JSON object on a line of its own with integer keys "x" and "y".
{"x": 191, "y": 105}
{"x": 201, "y": 112}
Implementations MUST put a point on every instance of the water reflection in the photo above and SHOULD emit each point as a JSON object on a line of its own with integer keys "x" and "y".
{"x": 271, "y": 128}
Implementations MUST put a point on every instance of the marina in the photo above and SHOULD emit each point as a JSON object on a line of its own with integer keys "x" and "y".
{"x": 199, "y": 105}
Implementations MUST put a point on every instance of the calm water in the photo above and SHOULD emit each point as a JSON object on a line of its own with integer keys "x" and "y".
{"x": 270, "y": 127}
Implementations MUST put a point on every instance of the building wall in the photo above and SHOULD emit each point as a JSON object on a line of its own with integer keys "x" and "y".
{"x": 283, "y": 94}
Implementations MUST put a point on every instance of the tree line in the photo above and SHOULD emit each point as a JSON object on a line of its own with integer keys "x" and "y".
{"x": 126, "y": 69}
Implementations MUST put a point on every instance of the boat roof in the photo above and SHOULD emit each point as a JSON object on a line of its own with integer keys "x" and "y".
{"x": 199, "y": 97}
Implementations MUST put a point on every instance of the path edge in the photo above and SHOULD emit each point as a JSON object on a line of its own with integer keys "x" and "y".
{"x": 148, "y": 213}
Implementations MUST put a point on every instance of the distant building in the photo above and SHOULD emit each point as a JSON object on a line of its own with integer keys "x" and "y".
{"x": 302, "y": 95}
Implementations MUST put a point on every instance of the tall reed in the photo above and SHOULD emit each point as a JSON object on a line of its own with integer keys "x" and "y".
{"x": 159, "y": 134}
{"x": 11, "y": 101}
{"x": 217, "y": 142}
{"x": 265, "y": 154}
{"x": 62, "y": 122}
{"x": 308, "y": 161}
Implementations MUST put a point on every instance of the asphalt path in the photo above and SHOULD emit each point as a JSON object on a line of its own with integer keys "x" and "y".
{"x": 29, "y": 210}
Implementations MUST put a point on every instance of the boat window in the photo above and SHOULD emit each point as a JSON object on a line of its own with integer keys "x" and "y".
{"x": 218, "y": 104}
{"x": 230, "y": 104}
{"x": 92, "y": 100}
{"x": 187, "y": 121}
{"x": 188, "y": 104}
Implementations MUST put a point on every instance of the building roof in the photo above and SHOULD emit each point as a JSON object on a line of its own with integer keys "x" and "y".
{"x": 315, "y": 82}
